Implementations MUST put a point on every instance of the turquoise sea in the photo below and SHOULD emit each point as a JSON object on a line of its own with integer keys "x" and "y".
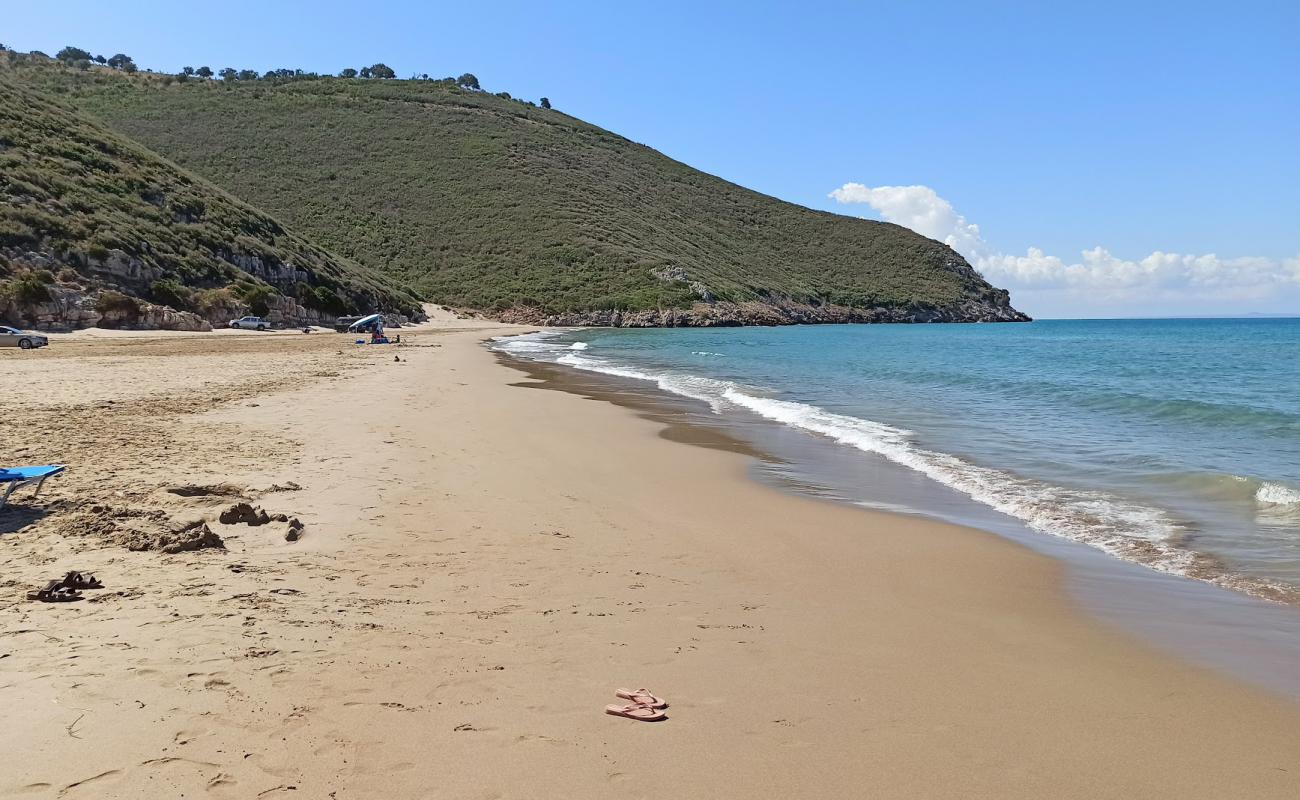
{"x": 1174, "y": 444}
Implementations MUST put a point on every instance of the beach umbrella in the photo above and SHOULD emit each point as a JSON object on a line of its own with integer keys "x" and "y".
{"x": 366, "y": 322}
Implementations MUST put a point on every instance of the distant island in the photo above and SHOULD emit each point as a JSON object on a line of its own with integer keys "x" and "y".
{"x": 162, "y": 200}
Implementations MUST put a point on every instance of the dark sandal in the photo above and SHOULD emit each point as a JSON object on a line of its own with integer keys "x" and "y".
{"x": 81, "y": 580}
{"x": 54, "y": 592}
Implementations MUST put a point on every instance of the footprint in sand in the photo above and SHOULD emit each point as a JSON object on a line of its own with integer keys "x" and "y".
{"x": 92, "y": 779}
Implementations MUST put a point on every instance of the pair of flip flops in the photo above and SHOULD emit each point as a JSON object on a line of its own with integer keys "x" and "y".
{"x": 67, "y": 589}
{"x": 643, "y": 706}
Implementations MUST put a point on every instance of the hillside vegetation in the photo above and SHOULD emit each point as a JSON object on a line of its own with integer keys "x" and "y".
{"x": 481, "y": 201}
{"x": 92, "y": 219}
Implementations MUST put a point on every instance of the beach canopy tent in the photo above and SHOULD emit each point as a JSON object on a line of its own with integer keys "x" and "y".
{"x": 14, "y": 477}
{"x": 372, "y": 322}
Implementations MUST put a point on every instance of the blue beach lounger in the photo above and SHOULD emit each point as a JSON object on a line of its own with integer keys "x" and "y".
{"x": 14, "y": 477}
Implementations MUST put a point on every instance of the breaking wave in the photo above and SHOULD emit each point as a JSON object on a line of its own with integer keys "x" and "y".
{"x": 1277, "y": 494}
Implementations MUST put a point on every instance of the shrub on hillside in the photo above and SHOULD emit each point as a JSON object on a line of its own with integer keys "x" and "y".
{"x": 28, "y": 288}
{"x": 15, "y": 233}
{"x": 71, "y": 54}
{"x": 123, "y": 62}
{"x": 257, "y": 297}
{"x": 110, "y": 302}
{"x": 169, "y": 292}
{"x": 324, "y": 298}
{"x": 209, "y": 301}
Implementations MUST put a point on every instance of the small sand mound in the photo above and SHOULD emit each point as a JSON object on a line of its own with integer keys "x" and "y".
{"x": 136, "y": 528}
{"x": 110, "y": 524}
{"x": 189, "y": 536}
{"x": 199, "y": 537}
{"x": 209, "y": 490}
{"x": 244, "y": 514}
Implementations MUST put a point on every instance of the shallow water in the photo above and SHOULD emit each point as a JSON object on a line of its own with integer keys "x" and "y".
{"x": 1174, "y": 444}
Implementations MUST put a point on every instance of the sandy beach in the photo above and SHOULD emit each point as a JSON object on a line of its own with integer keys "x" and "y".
{"x": 484, "y": 561}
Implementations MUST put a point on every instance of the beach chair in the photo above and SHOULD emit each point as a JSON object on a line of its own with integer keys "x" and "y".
{"x": 14, "y": 477}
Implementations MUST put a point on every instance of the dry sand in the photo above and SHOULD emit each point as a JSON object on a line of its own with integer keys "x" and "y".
{"x": 483, "y": 564}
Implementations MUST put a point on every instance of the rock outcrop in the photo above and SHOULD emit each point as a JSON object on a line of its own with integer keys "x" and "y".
{"x": 71, "y": 308}
{"x": 996, "y": 308}
{"x": 79, "y": 302}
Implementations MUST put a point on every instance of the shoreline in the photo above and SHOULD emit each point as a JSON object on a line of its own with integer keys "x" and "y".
{"x": 908, "y": 477}
{"x": 1237, "y": 633}
{"x": 483, "y": 565}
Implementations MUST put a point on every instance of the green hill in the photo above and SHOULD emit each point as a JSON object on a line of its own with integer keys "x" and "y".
{"x": 92, "y": 224}
{"x": 480, "y": 201}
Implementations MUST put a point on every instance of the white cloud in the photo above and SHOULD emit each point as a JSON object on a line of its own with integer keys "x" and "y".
{"x": 918, "y": 208}
{"x": 1099, "y": 282}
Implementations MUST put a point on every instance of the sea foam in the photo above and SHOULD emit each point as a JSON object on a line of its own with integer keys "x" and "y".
{"x": 1103, "y": 521}
{"x": 1277, "y": 494}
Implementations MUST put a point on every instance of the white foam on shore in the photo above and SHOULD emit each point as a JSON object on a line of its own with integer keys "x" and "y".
{"x": 539, "y": 343}
{"x": 692, "y": 386}
{"x": 1116, "y": 526}
{"x": 1106, "y": 522}
{"x": 1277, "y": 494}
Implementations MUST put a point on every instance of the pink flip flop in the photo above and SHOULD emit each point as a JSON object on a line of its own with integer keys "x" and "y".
{"x": 642, "y": 697}
{"x": 637, "y": 712}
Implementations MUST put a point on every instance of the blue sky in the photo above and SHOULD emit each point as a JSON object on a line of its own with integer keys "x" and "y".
{"x": 1169, "y": 128}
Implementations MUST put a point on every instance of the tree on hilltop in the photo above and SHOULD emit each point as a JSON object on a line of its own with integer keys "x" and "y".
{"x": 122, "y": 61}
{"x": 348, "y": 73}
{"x": 187, "y": 71}
{"x": 383, "y": 71}
{"x": 99, "y": 59}
{"x": 468, "y": 81}
{"x": 546, "y": 102}
{"x": 247, "y": 75}
{"x": 70, "y": 54}
{"x": 204, "y": 72}
{"x": 365, "y": 72}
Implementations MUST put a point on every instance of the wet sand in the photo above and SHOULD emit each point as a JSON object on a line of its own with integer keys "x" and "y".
{"x": 483, "y": 564}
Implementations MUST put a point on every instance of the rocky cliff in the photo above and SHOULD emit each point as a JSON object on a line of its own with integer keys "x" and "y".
{"x": 726, "y": 314}
{"x": 97, "y": 230}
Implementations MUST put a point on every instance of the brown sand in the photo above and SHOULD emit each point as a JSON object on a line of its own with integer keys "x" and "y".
{"x": 483, "y": 565}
